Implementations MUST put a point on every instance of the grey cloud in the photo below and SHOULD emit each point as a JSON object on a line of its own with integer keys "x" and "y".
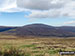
{"x": 52, "y": 8}
{"x": 40, "y": 4}
{"x": 40, "y": 8}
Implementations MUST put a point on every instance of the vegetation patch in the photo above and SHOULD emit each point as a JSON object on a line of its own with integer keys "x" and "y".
{"x": 53, "y": 51}
{"x": 23, "y": 46}
{"x": 14, "y": 52}
{"x": 36, "y": 51}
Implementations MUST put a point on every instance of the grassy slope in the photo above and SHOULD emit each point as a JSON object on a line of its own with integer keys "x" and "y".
{"x": 37, "y": 46}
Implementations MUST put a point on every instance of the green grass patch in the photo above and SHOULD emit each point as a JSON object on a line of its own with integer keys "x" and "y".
{"x": 36, "y": 51}
{"x": 23, "y": 46}
{"x": 40, "y": 55}
{"x": 53, "y": 51}
{"x": 34, "y": 48}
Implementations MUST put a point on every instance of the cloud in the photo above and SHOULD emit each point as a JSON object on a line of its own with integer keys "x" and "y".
{"x": 40, "y": 8}
{"x": 40, "y": 4}
{"x": 48, "y": 8}
{"x": 70, "y": 22}
{"x": 44, "y": 14}
{"x": 6, "y": 5}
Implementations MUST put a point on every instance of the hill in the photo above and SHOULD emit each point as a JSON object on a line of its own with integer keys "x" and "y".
{"x": 4, "y": 28}
{"x": 45, "y": 30}
{"x": 41, "y": 30}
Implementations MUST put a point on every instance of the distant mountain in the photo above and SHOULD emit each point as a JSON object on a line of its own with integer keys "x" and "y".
{"x": 68, "y": 28}
{"x": 45, "y": 30}
{"x": 4, "y": 28}
{"x": 35, "y": 30}
{"x": 40, "y": 30}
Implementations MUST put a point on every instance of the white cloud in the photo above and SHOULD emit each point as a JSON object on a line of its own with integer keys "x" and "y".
{"x": 44, "y": 14}
{"x": 70, "y": 22}
{"x": 40, "y": 8}
{"x": 6, "y": 5}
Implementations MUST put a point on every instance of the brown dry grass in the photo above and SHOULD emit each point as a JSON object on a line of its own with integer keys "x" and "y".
{"x": 38, "y": 46}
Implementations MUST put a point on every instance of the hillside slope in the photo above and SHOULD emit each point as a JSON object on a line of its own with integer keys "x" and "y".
{"x": 40, "y": 30}
{"x": 44, "y": 30}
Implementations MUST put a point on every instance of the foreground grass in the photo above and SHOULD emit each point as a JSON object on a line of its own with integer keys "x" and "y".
{"x": 13, "y": 46}
{"x": 14, "y": 52}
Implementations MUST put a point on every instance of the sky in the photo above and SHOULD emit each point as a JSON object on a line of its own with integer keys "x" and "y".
{"x": 23, "y": 12}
